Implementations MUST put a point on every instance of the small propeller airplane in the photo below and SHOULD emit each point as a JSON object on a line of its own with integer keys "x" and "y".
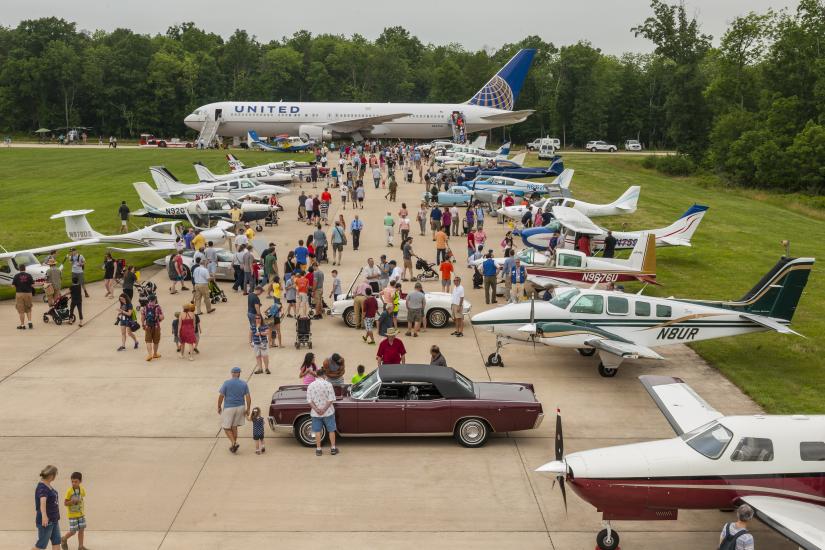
{"x": 574, "y": 268}
{"x": 513, "y": 169}
{"x": 280, "y": 144}
{"x": 625, "y": 204}
{"x": 237, "y": 167}
{"x": 773, "y": 463}
{"x": 571, "y": 224}
{"x": 239, "y": 188}
{"x": 459, "y": 157}
{"x": 502, "y": 151}
{"x": 262, "y": 175}
{"x": 152, "y": 238}
{"x": 519, "y": 188}
{"x": 198, "y": 212}
{"x": 621, "y": 326}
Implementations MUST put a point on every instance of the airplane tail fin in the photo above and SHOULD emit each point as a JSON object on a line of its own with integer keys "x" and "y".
{"x": 204, "y": 173}
{"x": 519, "y": 159}
{"x": 503, "y": 151}
{"x": 234, "y": 163}
{"x": 77, "y": 226}
{"x": 480, "y": 141}
{"x": 149, "y": 197}
{"x": 643, "y": 256}
{"x": 627, "y": 202}
{"x": 556, "y": 166}
{"x": 680, "y": 232}
{"x": 165, "y": 181}
{"x": 255, "y": 140}
{"x": 564, "y": 179}
{"x": 502, "y": 91}
{"x": 778, "y": 291}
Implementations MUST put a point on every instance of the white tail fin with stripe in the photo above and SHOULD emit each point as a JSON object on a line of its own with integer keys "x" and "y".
{"x": 234, "y": 163}
{"x": 165, "y": 181}
{"x": 564, "y": 179}
{"x": 627, "y": 202}
{"x": 204, "y": 174}
{"x": 480, "y": 141}
{"x": 149, "y": 197}
{"x": 77, "y": 226}
{"x": 643, "y": 256}
{"x": 680, "y": 232}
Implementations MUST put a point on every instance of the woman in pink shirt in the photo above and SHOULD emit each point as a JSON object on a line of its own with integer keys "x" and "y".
{"x": 308, "y": 369}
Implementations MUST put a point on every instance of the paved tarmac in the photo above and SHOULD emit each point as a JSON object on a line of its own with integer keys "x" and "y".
{"x": 159, "y": 475}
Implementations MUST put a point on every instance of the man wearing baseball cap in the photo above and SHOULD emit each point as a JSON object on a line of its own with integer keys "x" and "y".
{"x": 234, "y": 394}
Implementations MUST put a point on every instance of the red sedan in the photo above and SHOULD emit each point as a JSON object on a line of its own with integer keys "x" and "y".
{"x": 415, "y": 400}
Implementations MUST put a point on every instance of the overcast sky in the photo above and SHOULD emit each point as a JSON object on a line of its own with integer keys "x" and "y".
{"x": 475, "y": 24}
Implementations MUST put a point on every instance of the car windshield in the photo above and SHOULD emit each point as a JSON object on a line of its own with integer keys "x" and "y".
{"x": 563, "y": 300}
{"x": 709, "y": 440}
{"x": 464, "y": 382}
{"x": 361, "y": 390}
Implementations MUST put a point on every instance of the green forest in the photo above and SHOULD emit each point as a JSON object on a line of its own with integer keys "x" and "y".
{"x": 749, "y": 105}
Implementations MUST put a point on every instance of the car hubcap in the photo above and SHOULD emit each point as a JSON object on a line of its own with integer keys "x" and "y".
{"x": 438, "y": 319}
{"x": 306, "y": 432}
{"x": 472, "y": 432}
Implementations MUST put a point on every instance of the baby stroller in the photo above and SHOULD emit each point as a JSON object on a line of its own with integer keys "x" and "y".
{"x": 215, "y": 293}
{"x": 144, "y": 290}
{"x": 303, "y": 332}
{"x": 426, "y": 268}
{"x": 59, "y": 312}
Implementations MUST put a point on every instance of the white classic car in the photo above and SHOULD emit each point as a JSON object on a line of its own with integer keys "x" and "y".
{"x": 437, "y": 309}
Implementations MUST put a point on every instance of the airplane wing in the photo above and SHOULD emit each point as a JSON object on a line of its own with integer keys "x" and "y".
{"x": 768, "y": 323}
{"x": 682, "y": 407}
{"x": 510, "y": 117}
{"x": 800, "y": 522}
{"x": 355, "y": 124}
{"x": 625, "y": 350}
{"x": 45, "y": 249}
{"x": 141, "y": 249}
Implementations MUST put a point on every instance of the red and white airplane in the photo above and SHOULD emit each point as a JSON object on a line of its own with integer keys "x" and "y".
{"x": 775, "y": 464}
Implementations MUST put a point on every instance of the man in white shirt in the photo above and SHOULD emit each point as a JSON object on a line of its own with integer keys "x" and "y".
{"x": 371, "y": 274}
{"x": 321, "y": 399}
{"x": 200, "y": 280}
{"x": 457, "y": 306}
{"x": 240, "y": 239}
{"x": 455, "y": 217}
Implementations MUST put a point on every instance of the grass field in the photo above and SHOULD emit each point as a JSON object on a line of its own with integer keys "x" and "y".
{"x": 36, "y": 183}
{"x": 738, "y": 241}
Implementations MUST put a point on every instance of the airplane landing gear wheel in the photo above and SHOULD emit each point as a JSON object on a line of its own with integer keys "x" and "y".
{"x": 259, "y": 228}
{"x": 607, "y": 540}
{"x": 587, "y": 352}
{"x": 494, "y": 360}
{"x": 607, "y": 372}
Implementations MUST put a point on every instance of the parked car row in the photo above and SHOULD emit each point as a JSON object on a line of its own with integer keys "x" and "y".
{"x": 546, "y": 147}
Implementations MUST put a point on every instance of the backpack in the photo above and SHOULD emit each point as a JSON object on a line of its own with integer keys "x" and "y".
{"x": 151, "y": 316}
{"x": 729, "y": 542}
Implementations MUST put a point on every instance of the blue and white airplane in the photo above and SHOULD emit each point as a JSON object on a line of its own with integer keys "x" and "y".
{"x": 519, "y": 188}
{"x": 512, "y": 169}
{"x": 571, "y": 224}
{"x": 280, "y": 144}
{"x": 491, "y": 107}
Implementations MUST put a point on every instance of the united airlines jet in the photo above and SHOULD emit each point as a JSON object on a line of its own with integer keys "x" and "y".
{"x": 491, "y": 107}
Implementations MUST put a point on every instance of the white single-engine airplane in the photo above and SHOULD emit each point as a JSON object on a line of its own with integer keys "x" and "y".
{"x": 239, "y": 188}
{"x": 571, "y": 224}
{"x": 623, "y": 326}
{"x": 491, "y": 107}
{"x": 152, "y": 238}
{"x": 198, "y": 212}
{"x": 775, "y": 464}
{"x": 626, "y": 204}
{"x": 266, "y": 175}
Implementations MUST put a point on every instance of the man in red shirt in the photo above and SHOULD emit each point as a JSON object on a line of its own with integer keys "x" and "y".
{"x": 509, "y": 201}
{"x": 326, "y": 196}
{"x": 446, "y": 269}
{"x": 584, "y": 245}
{"x": 391, "y": 350}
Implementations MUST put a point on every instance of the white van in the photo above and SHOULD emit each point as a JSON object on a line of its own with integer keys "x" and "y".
{"x": 546, "y": 151}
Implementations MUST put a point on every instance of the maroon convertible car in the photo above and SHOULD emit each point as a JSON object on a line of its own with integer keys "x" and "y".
{"x": 415, "y": 400}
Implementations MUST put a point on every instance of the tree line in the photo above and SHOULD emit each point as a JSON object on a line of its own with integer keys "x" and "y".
{"x": 751, "y": 109}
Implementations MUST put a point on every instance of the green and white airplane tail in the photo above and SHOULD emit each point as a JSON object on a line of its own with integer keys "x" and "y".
{"x": 778, "y": 292}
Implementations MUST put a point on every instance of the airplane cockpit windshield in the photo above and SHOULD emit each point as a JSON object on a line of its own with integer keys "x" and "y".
{"x": 25, "y": 258}
{"x": 563, "y": 300}
{"x": 218, "y": 204}
{"x": 247, "y": 184}
{"x": 164, "y": 228}
{"x": 709, "y": 440}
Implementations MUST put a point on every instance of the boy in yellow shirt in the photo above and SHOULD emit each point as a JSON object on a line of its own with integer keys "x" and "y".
{"x": 75, "y": 502}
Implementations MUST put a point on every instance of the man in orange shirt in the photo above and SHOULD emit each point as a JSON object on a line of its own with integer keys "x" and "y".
{"x": 446, "y": 268}
{"x": 440, "y": 245}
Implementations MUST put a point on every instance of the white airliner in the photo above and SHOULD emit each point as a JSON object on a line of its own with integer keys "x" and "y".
{"x": 491, "y": 107}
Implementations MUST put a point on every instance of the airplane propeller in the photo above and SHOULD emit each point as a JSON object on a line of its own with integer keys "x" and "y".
{"x": 558, "y": 467}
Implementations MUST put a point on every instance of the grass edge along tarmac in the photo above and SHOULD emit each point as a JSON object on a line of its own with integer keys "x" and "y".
{"x": 736, "y": 244}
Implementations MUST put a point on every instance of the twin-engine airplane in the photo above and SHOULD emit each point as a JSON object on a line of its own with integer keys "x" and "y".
{"x": 513, "y": 169}
{"x": 626, "y": 204}
{"x": 571, "y": 224}
{"x": 773, "y": 463}
{"x": 152, "y": 238}
{"x": 198, "y": 212}
{"x": 238, "y": 188}
{"x": 265, "y": 174}
{"x": 621, "y": 326}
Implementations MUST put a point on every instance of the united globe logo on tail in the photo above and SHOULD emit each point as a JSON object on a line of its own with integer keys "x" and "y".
{"x": 502, "y": 91}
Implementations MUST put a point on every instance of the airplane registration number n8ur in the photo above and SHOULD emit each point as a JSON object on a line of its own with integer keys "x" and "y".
{"x": 677, "y": 333}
